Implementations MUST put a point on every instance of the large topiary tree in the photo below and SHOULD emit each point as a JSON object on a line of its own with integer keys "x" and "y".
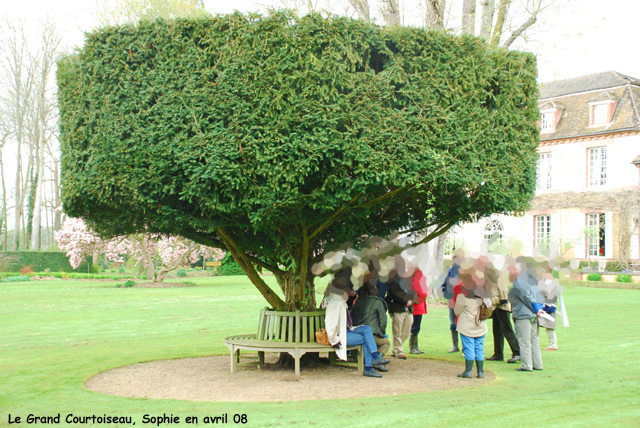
{"x": 276, "y": 137}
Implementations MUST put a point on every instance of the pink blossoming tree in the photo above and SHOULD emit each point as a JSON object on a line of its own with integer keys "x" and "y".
{"x": 169, "y": 252}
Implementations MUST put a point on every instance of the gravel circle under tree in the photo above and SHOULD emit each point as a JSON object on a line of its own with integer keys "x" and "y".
{"x": 208, "y": 379}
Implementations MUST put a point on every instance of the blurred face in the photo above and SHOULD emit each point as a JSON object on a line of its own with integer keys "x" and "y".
{"x": 373, "y": 290}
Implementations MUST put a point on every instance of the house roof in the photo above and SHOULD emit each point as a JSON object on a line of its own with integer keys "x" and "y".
{"x": 574, "y": 121}
{"x": 592, "y": 82}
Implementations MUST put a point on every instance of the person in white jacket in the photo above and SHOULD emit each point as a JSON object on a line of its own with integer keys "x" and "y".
{"x": 342, "y": 333}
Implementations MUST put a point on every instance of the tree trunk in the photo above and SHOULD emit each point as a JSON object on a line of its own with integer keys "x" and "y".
{"x": 362, "y": 9}
{"x": 440, "y": 249}
{"x": 391, "y": 13}
{"x": 497, "y": 29}
{"x": 147, "y": 256}
{"x": 487, "y": 18}
{"x": 469, "y": 17}
{"x": 57, "y": 225}
{"x": 37, "y": 205}
{"x": 4, "y": 223}
{"x": 435, "y": 14}
{"x": 162, "y": 275}
{"x": 31, "y": 200}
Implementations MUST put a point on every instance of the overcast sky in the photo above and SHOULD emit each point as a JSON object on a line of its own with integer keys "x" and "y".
{"x": 581, "y": 37}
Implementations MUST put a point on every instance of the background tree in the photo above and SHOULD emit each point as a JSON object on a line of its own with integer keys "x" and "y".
{"x": 172, "y": 252}
{"x": 118, "y": 12}
{"x": 276, "y": 138}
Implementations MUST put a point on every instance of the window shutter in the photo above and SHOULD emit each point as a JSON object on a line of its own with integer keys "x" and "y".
{"x": 590, "y": 115}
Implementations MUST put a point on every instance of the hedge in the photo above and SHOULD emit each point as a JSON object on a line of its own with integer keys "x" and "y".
{"x": 55, "y": 261}
{"x": 229, "y": 266}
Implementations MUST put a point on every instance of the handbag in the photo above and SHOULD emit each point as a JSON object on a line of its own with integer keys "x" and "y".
{"x": 484, "y": 312}
{"x": 322, "y": 337}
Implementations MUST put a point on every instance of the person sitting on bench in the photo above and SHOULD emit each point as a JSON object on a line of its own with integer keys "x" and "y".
{"x": 342, "y": 333}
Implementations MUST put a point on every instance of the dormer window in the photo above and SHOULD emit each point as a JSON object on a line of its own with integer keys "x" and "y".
{"x": 550, "y": 114}
{"x": 602, "y": 109}
{"x": 600, "y": 114}
{"x": 547, "y": 121}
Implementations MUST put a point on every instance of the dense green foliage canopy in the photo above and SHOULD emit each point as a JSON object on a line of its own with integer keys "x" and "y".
{"x": 273, "y": 136}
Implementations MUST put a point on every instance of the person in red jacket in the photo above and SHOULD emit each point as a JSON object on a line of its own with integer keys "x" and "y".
{"x": 419, "y": 309}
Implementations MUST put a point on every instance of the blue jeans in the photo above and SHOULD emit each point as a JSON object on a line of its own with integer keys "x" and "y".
{"x": 473, "y": 347}
{"x": 415, "y": 327}
{"x": 362, "y": 335}
{"x": 452, "y": 320}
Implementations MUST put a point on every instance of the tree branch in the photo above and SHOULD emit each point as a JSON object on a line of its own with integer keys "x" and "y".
{"x": 243, "y": 261}
{"x": 502, "y": 15}
{"x": 528, "y": 23}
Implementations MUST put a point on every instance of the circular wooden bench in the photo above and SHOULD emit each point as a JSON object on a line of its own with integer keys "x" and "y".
{"x": 290, "y": 332}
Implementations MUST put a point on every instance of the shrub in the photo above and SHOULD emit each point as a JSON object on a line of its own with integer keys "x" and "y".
{"x": 587, "y": 264}
{"x": 181, "y": 273}
{"x": 623, "y": 278}
{"x": 16, "y": 279}
{"x": 129, "y": 283}
{"x": 615, "y": 267}
{"x": 594, "y": 277}
{"x": 26, "y": 269}
{"x": 121, "y": 269}
{"x": 95, "y": 269}
{"x": 6, "y": 261}
{"x": 118, "y": 285}
{"x": 229, "y": 266}
{"x": 56, "y": 261}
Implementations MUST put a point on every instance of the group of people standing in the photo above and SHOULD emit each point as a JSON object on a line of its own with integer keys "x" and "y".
{"x": 475, "y": 290}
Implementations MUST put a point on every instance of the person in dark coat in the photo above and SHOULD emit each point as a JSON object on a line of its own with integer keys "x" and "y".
{"x": 371, "y": 310}
{"x": 400, "y": 299}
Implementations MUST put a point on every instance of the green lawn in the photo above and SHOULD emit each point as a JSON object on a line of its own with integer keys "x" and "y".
{"x": 56, "y": 334}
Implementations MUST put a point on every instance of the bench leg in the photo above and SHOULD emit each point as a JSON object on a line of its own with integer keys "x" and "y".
{"x": 332, "y": 358}
{"x": 297, "y": 359}
{"x": 360, "y": 360}
{"x": 260, "y": 360}
{"x": 235, "y": 355}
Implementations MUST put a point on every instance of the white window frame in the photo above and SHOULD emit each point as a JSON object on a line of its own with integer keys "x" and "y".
{"x": 601, "y": 113}
{"x": 544, "y": 180}
{"x": 597, "y": 166}
{"x": 593, "y": 247}
{"x": 547, "y": 121}
{"x": 542, "y": 228}
{"x": 490, "y": 227}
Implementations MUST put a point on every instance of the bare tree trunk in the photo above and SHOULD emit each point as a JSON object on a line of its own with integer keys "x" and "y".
{"x": 147, "y": 255}
{"x": 57, "y": 224}
{"x": 487, "y": 18}
{"x": 362, "y": 9}
{"x": 498, "y": 28}
{"x": 15, "y": 68}
{"x": 50, "y": 41}
{"x": 440, "y": 249}
{"x": 4, "y": 207}
{"x": 469, "y": 17}
{"x": 3, "y": 225}
{"x": 37, "y": 206}
{"x": 435, "y": 14}
{"x": 391, "y": 12}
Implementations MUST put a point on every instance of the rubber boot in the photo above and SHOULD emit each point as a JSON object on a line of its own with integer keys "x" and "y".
{"x": 480, "y": 367}
{"x": 454, "y": 339}
{"x": 413, "y": 344}
{"x": 468, "y": 369}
